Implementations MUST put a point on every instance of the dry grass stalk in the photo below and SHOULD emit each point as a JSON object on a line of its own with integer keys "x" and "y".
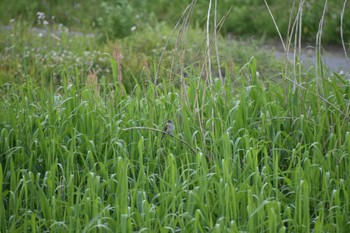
{"x": 341, "y": 32}
{"x": 92, "y": 82}
{"x": 185, "y": 13}
{"x": 118, "y": 59}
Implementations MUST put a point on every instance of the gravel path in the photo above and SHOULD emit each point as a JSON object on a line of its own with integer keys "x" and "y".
{"x": 333, "y": 57}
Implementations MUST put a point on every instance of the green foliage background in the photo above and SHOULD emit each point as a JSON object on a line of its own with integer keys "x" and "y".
{"x": 246, "y": 18}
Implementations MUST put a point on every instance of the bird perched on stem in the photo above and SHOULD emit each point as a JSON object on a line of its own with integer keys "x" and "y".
{"x": 169, "y": 128}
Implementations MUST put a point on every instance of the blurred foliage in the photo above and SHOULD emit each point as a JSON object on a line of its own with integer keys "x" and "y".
{"x": 80, "y": 14}
{"x": 118, "y": 18}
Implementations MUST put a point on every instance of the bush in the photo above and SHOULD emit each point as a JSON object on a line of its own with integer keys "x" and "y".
{"x": 120, "y": 17}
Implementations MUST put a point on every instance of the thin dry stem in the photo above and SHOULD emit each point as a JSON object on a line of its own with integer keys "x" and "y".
{"x": 216, "y": 46}
{"x": 168, "y": 41}
{"x": 319, "y": 66}
{"x": 278, "y": 31}
{"x": 162, "y": 131}
{"x": 289, "y": 24}
{"x": 118, "y": 59}
{"x": 223, "y": 19}
{"x": 341, "y": 31}
{"x": 209, "y": 73}
{"x": 318, "y": 96}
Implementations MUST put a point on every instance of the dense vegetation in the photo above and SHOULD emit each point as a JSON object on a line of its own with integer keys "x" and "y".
{"x": 242, "y": 17}
{"x": 259, "y": 144}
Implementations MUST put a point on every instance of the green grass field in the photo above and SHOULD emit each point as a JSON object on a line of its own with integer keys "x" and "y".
{"x": 265, "y": 149}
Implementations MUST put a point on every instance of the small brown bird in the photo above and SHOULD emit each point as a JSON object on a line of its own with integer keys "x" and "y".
{"x": 169, "y": 128}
